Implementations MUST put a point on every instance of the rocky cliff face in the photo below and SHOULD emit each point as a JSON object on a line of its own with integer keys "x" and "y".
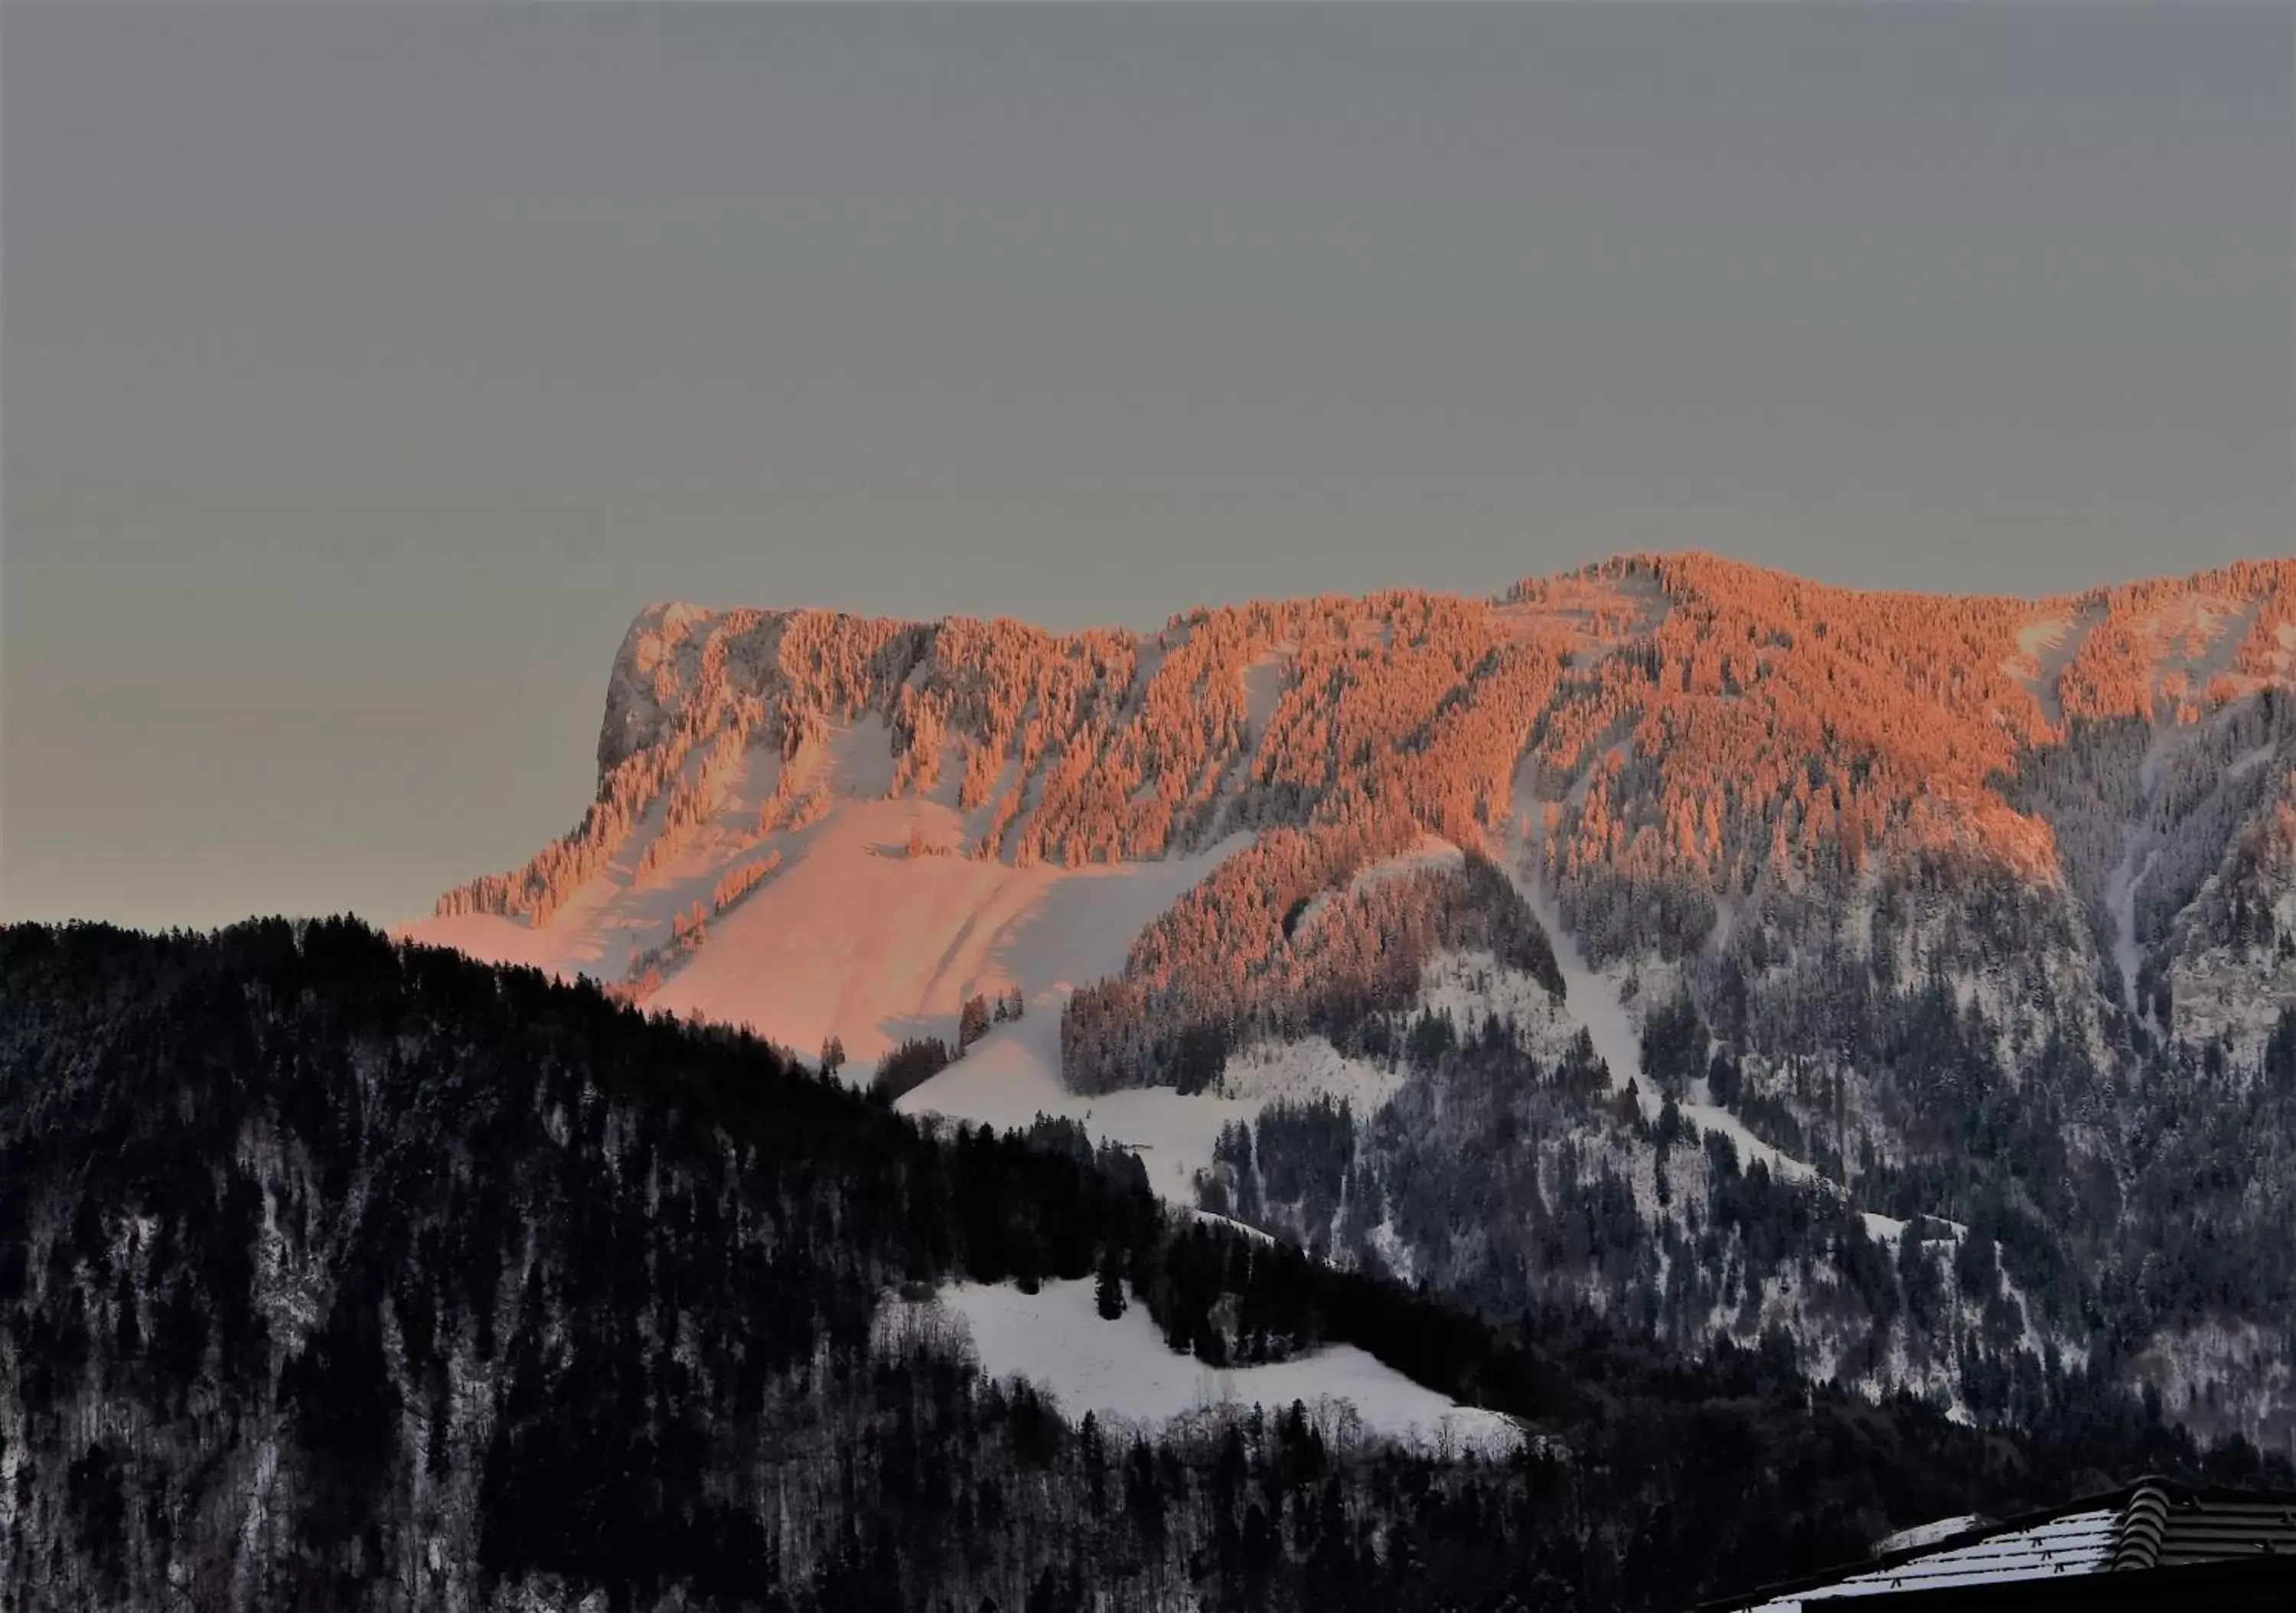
{"x": 1914, "y": 973}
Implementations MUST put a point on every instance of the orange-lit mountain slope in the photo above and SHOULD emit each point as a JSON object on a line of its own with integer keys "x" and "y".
{"x": 1689, "y": 744}
{"x": 1946, "y": 911}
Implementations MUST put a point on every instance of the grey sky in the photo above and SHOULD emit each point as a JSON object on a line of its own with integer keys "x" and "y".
{"x": 367, "y": 366}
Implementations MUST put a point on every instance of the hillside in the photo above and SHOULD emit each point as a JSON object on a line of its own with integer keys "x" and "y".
{"x": 338, "y": 1273}
{"x": 1915, "y": 974}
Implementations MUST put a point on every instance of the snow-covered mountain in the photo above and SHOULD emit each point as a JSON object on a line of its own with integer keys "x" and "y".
{"x": 1911, "y": 976}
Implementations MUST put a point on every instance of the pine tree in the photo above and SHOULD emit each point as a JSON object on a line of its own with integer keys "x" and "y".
{"x": 1107, "y": 1289}
{"x": 972, "y": 1021}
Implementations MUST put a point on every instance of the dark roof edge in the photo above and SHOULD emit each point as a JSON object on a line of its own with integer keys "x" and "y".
{"x": 2170, "y": 1489}
{"x": 2245, "y": 1583}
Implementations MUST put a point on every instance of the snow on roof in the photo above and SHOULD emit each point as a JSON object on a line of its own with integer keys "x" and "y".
{"x": 2153, "y": 1524}
{"x": 1927, "y": 1533}
{"x": 2078, "y": 1543}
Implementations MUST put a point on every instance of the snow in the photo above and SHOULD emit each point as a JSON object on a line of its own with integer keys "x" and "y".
{"x": 852, "y": 936}
{"x": 1303, "y": 1071}
{"x": 2120, "y": 885}
{"x": 2078, "y": 1543}
{"x": 1591, "y": 998}
{"x": 1122, "y": 1370}
{"x": 2046, "y": 647}
{"x": 1013, "y": 1075}
{"x": 601, "y": 926}
{"x": 1927, "y": 1533}
{"x": 1263, "y": 688}
{"x": 1428, "y": 853}
{"x": 2231, "y": 1362}
{"x": 1213, "y": 1219}
{"x": 2250, "y": 761}
{"x": 856, "y": 938}
{"x": 1721, "y": 1122}
{"x": 1883, "y": 1229}
{"x": 2209, "y": 630}
{"x": 1592, "y": 613}
{"x": 2120, "y": 900}
{"x": 860, "y": 762}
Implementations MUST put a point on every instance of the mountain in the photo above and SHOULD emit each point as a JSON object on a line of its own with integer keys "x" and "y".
{"x": 342, "y": 1273}
{"x": 1911, "y": 976}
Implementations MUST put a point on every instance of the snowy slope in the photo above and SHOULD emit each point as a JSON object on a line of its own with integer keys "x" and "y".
{"x": 1012, "y": 1075}
{"x": 851, "y": 938}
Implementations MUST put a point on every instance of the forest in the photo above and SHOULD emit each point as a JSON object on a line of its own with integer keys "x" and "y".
{"x": 1510, "y": 1181}
{"x": 340, "y": 1272}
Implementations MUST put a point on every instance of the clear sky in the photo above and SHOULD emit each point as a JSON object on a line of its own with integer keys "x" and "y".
{"x": 363, "y": 368}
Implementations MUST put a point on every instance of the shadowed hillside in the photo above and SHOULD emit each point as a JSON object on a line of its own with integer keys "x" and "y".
{"x": 341, "y": 1274}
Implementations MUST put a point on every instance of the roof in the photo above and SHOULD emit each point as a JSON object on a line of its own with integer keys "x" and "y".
{"x": 2253, "y": 1585}
{"x": 2156, "y": 1538}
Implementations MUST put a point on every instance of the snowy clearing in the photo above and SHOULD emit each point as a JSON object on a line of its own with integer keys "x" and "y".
{"x": 1122, "y": 1370}
{"x": 1012, "y": 1075}
{"x": 1883, "y": 1229}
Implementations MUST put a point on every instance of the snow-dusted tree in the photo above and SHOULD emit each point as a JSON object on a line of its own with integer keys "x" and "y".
{"x": 972, "y": 1021}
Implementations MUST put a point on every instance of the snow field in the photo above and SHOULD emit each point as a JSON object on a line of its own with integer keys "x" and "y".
{"x": 1122, "y": 1372}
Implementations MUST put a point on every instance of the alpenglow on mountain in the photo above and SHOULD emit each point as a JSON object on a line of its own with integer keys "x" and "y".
{"x": 1909, "y": 979}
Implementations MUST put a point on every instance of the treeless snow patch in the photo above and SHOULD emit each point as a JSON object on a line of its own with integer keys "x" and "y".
{"x": 856, "y": 939}
{"x": 1263, "y": 687}
{"x": 2045, "y": 646}
{"x": 852, "y": 936}
{"x": 1591, "y": 614}
{"x": 2200, "y": 635}
{"x": 1013, "y": 1075}
{"x": 1883, "y": 1229}
{"x": 1121, "y": 1369}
